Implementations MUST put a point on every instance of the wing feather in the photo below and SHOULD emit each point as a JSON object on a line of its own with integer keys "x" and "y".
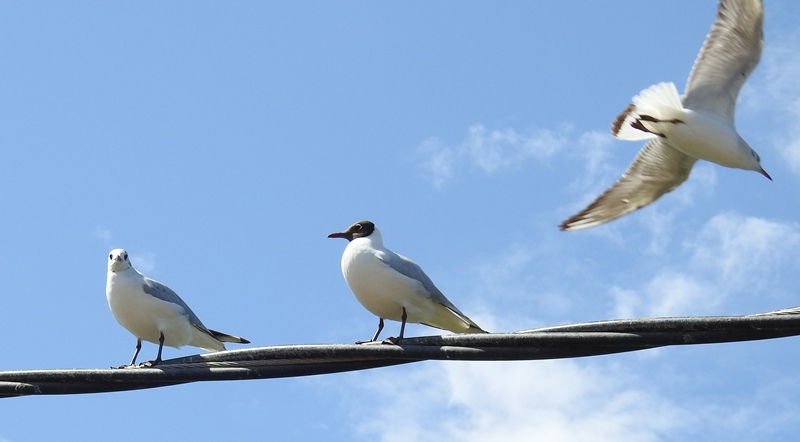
{"x": 657, "y": 169}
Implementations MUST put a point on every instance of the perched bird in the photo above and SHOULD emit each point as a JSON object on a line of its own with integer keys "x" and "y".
{"x": 698, "y": 125}
{"x": 153, "y": 312}
{"x": 394, "y": 287}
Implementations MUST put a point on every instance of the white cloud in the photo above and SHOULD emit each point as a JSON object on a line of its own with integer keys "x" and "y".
{"x": 731, "y": 253}
{"x": 440, "y": 160}
{"x": 488, "y": 150}
{"x": 103, "y": 234}
{"x": 668, "y": 293}
{"x": 775, "y": 90}
{"x": 518, "y": 401}
{"x": 144, "y": 262}
{"x": 743, "y": 251}
{"x": 594, "y": 149}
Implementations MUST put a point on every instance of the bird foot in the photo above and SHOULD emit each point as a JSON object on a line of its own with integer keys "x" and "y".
{"x": 149, "y": 363}
{"x": 391, "y": 341}
{"x": 120, "y": 367}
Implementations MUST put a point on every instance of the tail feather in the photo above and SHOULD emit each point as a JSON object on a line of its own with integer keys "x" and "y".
{"x": 450, "y": 318}
{"x": 658, "y": 101}
{"x": 473, "y": 328}
{"x": 224, "y": 337}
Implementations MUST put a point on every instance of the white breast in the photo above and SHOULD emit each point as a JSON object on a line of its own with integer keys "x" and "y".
{"x": 143, "y": 315}
{"x": 381, "y": 290}
{"x": 711, "y": 138}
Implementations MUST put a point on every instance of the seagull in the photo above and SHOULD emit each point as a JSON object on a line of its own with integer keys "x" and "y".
{"x": 394, "y": 287}
{"x": 683, "y": 129}
{"x": 153, "y": 312}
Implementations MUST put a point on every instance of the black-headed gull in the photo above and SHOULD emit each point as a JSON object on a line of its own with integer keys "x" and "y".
{"x": 394, "y": 287}
{"x": 682, "y": 130}
{"x": 153, "y": 312}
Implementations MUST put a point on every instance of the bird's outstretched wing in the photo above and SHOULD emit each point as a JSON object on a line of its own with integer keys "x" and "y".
{"x": 656, "y": 170}
{"x": 728, "y": 56}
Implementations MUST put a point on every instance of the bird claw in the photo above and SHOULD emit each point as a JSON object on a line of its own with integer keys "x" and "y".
{"x": 122, "y": 367}
{"x": 391, "y": 341}
{"x": 149, "y": 364}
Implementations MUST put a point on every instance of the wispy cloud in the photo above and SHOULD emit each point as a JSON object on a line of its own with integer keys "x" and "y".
{"x": 144, "y": 262}
{"x": 668, "y": 293}
{"x": 521, "y": 401}
{"x": 488, "y": 150}
{"x": 659, "y": 220}
{"x": 730, "y": 254}
{"x": 744, "y": 250}
{"x": 775, "y": 90}
{"x": 102, "y": 234}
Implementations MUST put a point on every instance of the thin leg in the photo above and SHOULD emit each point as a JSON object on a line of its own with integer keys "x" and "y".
{"x": 640, "y": 126}
{"x": 158, "y": 356}
{"x": 403, "y": 324}
{"x": 160, "y": 347}
{"x": 396, "y": 340}
{"x": 656, "y": 120}
{"x": 375, "y": 337}
{"x": 136, "y": 353}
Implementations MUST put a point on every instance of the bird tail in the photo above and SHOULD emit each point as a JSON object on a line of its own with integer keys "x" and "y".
{"x": 224, "y": 337}
{"x": 659, "y": 101}
{"x": 473, "y": 328}
{"x": 450, "y": 318}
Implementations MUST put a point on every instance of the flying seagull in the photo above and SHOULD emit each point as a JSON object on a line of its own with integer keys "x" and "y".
{"x": 153, "y": 312}
{"x": 394, "y": 287}
{"x": 683, "y": 129}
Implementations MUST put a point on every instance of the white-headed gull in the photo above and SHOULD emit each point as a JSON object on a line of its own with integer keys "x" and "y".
{"x": 394, "y": 287}
{"x": 153, "y": 312}
{"x": 698, "y": 125}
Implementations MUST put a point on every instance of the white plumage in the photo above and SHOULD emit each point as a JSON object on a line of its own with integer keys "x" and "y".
{"x": 699, "y": 125}
{"x": 392, "y": 286}
{"x": 153, "y": 312}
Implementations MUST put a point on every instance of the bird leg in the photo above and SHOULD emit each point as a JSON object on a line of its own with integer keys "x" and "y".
{"x": 374, "y": 338}
{"x": 640, "y": 126}
{"x": 395, "y": 341}
{"x": 158, "y": 356}
{"x": 135, "y": 354}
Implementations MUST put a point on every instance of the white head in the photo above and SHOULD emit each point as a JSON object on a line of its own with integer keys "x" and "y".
{"x": 753, "y": 160}
{"x": 118, "y": 261}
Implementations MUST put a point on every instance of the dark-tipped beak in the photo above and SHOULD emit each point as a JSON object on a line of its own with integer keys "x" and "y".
{"x": 764, "y": 172}
{"x": 337, "y": 235}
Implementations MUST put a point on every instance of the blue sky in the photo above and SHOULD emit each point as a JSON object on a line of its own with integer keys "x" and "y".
{"x": 220, "y": 143}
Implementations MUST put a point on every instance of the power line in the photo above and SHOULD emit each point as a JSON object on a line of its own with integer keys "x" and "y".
{"x": 564, "y": 341}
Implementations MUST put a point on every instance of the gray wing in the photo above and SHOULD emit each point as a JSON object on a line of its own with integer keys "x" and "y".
{"x": 656, "y": 170}
{"x": 730, "y": 53}
{"x": 164, "y": 293}
{"x": 409, "y": 268}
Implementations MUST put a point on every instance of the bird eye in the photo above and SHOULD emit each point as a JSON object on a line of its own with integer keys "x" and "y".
{"x": 356, "y": 226}
{"x": 110, "y": 256}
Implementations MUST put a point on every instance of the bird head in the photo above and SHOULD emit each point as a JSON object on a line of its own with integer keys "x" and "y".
{"x": 118, "y": 260}
{"x": 357, "y": 230}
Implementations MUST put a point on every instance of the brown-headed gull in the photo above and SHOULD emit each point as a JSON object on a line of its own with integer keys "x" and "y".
{"x": 394, "y": 287}
{"x": 153, "y": 312}
{"x": 698, "y": 125}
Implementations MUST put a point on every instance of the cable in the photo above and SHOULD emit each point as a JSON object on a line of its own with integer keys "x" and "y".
{"x": 564, "y": 341}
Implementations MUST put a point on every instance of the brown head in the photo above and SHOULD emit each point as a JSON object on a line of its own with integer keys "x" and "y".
{"x": 357, "y": 230}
